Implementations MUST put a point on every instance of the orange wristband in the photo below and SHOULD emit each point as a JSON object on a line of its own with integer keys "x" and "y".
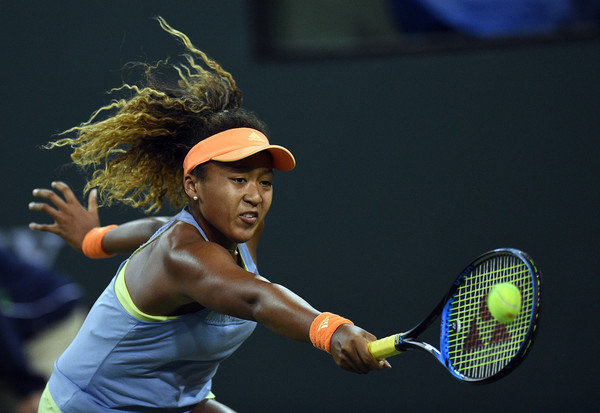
{"x": 92, "y": 242}
{"x": 323, "y": 327}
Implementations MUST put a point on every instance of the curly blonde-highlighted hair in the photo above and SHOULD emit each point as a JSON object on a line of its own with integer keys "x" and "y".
{"x": 136, "y": 145}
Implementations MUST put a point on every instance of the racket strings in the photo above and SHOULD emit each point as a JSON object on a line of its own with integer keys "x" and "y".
{"x": 464, "y": 305}
{"x": 478, "y": 346}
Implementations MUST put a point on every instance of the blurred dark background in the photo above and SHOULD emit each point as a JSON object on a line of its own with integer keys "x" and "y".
{"x": 414, "y": 156}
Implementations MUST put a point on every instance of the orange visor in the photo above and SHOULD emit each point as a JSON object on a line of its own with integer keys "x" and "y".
{"x": 236, "y": 144}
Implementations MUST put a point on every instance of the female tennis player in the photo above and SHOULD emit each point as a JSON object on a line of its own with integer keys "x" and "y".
{"x": 188, "y": 297}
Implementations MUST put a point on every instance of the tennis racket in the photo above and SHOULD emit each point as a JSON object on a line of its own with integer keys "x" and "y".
{"x": 475, "y": 347}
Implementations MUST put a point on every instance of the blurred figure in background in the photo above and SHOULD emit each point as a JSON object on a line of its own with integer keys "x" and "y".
{"x": 39, "y": 316}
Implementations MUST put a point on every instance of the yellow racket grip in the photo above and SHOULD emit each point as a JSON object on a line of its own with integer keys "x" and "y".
{"x": 384, "y": 347}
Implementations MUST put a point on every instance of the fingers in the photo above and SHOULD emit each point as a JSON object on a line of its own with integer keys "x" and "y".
{"x": 65, "y": 190}
{"x": 72, "y": 221}
{"x": 44, "y": 227}
{"x": 369, "y": 361}
{"x": 366, "y": 362}
{"x": 377, "y": 364}
{"x": 358, "y": 361}
{"x": 93, "y": 201}
{"x": 43, "y": 207}
{"x": 366, "y": 355}
{"x": 50, "y": 196}
{"x": 351, "y": 351}
{"x": 62, "y": 210}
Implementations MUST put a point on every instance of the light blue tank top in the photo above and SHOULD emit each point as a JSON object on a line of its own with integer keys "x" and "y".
{"x": 137, "y": 364}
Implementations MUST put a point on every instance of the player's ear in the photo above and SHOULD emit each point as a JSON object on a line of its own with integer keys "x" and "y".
{"x": 190, "y": 185}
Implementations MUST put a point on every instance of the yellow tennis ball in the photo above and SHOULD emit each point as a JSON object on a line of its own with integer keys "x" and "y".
{"x": 504, "y": 302}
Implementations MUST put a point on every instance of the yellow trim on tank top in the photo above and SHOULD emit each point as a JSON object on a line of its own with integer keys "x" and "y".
{"x": 127, "y": 303}
{"x": 47, "y": 404}
{"x": 125, "y": 298}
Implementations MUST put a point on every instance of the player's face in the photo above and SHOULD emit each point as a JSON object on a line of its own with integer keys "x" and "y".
{"x": 234, "y": 197}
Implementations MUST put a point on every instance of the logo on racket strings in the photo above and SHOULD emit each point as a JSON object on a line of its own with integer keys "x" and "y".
{"x": 484, "y": 330}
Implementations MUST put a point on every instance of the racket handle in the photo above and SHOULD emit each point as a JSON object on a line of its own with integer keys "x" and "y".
{"x": 384, "y": 347}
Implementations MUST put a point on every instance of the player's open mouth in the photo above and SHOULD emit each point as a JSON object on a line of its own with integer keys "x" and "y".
{"x": 249, "y": 217}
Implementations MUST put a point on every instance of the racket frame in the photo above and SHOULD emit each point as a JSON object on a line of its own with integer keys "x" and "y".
{"x": 407, "y": 340}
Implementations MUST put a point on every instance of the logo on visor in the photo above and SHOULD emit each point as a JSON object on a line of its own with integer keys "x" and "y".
{"x": 255, "y": 137}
